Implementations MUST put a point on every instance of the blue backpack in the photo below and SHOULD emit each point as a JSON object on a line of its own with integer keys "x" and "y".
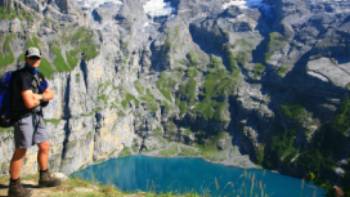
{"x": 5, "y": 99}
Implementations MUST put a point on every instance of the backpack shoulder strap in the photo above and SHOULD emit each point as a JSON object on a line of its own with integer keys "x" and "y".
{"x": 41, "y": 76}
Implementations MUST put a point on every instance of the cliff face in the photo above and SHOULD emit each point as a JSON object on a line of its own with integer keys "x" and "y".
{"x": 261, "y": 82}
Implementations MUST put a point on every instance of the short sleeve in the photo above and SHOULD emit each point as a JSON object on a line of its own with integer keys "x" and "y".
{"x": 25, "y": 82}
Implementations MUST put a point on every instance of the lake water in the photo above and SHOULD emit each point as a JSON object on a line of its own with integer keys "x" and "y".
{"x": 183, "y": 175}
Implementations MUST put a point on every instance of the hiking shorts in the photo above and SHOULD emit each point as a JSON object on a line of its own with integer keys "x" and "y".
{"x": 29, "y": 131}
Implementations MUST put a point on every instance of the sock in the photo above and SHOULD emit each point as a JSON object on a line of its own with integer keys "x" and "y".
{"x": 14, "y": 180}
{"x": 44, "y": 171}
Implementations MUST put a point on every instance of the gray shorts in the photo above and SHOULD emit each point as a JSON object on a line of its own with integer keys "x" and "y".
{"x": 29, "y": 131}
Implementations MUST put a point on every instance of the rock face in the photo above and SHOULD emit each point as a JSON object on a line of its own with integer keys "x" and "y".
{"x": 130, "y": 79}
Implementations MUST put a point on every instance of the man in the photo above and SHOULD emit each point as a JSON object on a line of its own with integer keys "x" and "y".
{"x": 29, "y": 93}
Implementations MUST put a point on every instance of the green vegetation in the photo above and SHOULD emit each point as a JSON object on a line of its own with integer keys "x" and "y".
{"x": 206, "y": 149}
{"x": 55, "y": 122}
{"x": 284, "y": 146}
{"x": 218, "y": 81}
{"x": 233, "y": 61}
{"x": 341, "y": 122}
{"x": 7, "y": 14}
{"x": 259, "y": 70}
{"x": 158, "y": 132}
{"x": 6, "y": 57}
{"x": 59, "y": 61}
{"x": 103, "y": 98}
{"x": 46, "y": 69}
{"x": 187, "y": 151}
{"x": 10, "y": 14}
{"x": 297, "y": 117}
{"x": 209, "y": 149}
{"x": 260, "y": 154}
{"x": 276, "y": 42}
{"x": 150, "y": 101}
{"x": 282, "y": 70}
{"x": 218, "y": 84}
{"x": 82, "y": 40}
{"x": 234, "y": 69}
{"x": 314, "y": 158}
{"x": 313, "y": 161}
{"x": 70, "y": 188}
{"x": 125, "y": 152}
{"x": 139, "y": 87}
{"x": 6, "y": 130}
{"x": 193, "y": 59}
{"x": 187, "y": 94}
{"x": 72, "y": 57}
{"x": 169, "y": 151}
{"x": 295, "y": 112}
{"x": 102, "y": 94}
{"x": 129, "y": 98}
{"x": 33, "y": 41}
{"x": 165, "y": 84}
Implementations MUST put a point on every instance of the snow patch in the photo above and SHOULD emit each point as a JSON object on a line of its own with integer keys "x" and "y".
{"x": 91, "y": 4}
{"x": 157, "y": 8}
{"x": 243, "y": 4}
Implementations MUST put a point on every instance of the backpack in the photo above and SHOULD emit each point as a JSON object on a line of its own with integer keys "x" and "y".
{"x": 5, "y": 99}
{"x": 6, "y": 118}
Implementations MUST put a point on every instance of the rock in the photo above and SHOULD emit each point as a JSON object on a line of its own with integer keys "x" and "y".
{"x": 221, "y": 144}
{"x": 4, "y": 26}
{"x": 329, "y": 71}
{"x": 339, "y": 171}
{"x": 15, "y": 26}
{"x": 62, "y": 5}
{"x": 60, "y": 176}
{"x": 33, "y": 4}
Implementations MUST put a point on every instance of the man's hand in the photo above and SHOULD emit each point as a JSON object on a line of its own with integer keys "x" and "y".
{"x": 47, "y": 95}
{"x": 37, "y": 97}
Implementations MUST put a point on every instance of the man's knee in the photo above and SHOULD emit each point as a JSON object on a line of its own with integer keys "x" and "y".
{"x": 19, "y": 153}
{"x": 44, "y": 146}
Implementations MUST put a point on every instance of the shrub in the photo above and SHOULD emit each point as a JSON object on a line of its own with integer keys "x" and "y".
{"x": 165, "y": 84}
{"x": 7, "y": 57}
{"x": 341, "y": 122}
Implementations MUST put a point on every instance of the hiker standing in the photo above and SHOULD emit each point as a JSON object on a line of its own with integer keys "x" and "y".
{"x": 29, "y": 94}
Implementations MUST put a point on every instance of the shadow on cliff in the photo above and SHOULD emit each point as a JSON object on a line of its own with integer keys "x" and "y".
{"x": 300, "y": 88}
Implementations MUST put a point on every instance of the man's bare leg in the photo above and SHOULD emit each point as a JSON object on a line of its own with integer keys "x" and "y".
{"x": 43, "y": 155}
{"x": 15, "y": 186}
{"x": 45, "y": 180}
{"x": 17, "y": 163}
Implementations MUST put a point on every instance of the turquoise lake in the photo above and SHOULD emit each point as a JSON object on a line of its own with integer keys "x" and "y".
{"x": 182, "y": 175}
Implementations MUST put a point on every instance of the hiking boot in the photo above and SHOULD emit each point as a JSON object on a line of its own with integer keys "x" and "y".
{"x": 16, "y": 189}
{"x": 46, "y": 180}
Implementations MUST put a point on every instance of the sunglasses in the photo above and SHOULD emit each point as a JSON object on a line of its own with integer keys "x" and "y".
{"x": 34, "y": 58}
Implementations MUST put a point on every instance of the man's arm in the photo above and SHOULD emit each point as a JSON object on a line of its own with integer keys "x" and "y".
{"x": 32, "y": 100}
